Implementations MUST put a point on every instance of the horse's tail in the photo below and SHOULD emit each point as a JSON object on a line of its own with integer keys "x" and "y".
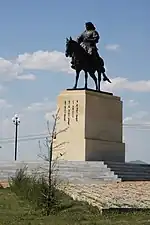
{"x": 101, "y": 61}
{"x": 102, "y": 64}
{"x": 103, "y": 69}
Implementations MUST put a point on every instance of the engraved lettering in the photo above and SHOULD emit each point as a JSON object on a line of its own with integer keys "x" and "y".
{"x": 72, "y": 109}
{"x": 64, "y": 110}
{"x": 68, "y": 112}
{"x": 77, "y": 110}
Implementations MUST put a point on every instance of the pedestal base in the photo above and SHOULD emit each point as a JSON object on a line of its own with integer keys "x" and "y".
{"x": 96, "y": 150}
{"x": 94, "y": 126}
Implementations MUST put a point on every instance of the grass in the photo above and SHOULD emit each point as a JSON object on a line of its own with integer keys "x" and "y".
{"x": 15, "y": 211}
{"x": 26, "y": 202}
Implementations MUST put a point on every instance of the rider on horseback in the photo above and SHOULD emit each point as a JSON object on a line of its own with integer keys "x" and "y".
{"x": 88, "y": 40}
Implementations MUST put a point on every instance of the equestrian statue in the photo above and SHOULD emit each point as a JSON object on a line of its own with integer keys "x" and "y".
{"x": 84, "y": 56}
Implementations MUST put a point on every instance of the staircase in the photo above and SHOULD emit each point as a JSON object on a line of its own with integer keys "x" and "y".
{"x": 85, "y": 172}
{"x": 130, "y": 171}
{"x": 81, "y": 172}
{"x": 72, "y": 171}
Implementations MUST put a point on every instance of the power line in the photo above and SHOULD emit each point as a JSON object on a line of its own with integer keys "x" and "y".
{"x": 136, "y": 124}
{"x": 21, "y": 140}
{"x": 25, "y": 136}
{"x": 39, "y": 136}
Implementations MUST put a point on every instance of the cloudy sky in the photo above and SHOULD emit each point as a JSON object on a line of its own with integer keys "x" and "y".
{"x": 34, "y": 70}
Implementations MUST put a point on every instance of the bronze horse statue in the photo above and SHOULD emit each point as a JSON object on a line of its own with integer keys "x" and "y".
{"x": 84, "y": 61}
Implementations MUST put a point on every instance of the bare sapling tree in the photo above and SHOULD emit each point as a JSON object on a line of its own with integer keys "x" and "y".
{"x": 52, "y": 147}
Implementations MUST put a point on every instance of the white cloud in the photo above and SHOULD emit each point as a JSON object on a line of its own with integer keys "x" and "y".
{"x": 46, "y": 105}
{"x": 54, "y": 61}
{"x": 27, "y": 77}
{"x": 124, "y": 83}
{"x": 57, "y": 62}
{"x": 44, "y": 60}
{"x": 10, "y": 70}
{"x": 49, "y": 115}
{"x": 21, "y": 69}
{"x": 4, "y": 104}
{"x": 132, "y": 103}
{"x": 140, "y": 117}
{"x": 112, "y": 47}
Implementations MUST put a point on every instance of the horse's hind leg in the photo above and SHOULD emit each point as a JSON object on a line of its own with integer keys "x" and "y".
{"x": 94, "y": 78}
{"x": 77, "y": 78}
{"x": 99, "y": 79}
{"x": 86, "y": 78}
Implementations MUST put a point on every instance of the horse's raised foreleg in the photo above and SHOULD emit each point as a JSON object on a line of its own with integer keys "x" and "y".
{"x": 86, "y": 79}
{"x": 77, "y": 78}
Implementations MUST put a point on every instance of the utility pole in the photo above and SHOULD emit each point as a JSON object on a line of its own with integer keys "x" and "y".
{"x": 16, "y": 122}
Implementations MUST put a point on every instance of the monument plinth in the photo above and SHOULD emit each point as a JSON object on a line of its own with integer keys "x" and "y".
{"x": 94, "y": 126}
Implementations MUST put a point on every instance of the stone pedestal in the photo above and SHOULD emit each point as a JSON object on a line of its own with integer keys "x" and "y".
{"x": 94, "y": 126}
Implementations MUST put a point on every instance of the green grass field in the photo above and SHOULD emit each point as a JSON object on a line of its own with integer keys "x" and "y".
{"x": 14, "y": 211}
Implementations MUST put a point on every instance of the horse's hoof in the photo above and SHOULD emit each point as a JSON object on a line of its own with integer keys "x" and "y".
{"x": 106, "y": 79}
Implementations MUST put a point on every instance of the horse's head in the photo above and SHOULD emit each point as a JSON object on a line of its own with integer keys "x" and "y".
{"x": 69, "y": 47}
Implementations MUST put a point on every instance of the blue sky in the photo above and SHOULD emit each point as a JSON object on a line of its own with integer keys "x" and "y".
{"x": 33, "y": 34}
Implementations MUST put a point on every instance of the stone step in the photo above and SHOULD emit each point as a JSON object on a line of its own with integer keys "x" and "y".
{"x": 82, "y": 171}
{"x": 136, "y": 168}
{"x": 91, "y": 181}
{"x": 129, "y": 165}
{"x": 122, "y": 175}
{"x": 60, "y": 165}
{"x": 70, "y": 170}
{"x": 61, "y": 162}
{"x": 129, "y": 171}
{"x": 66, "y": 173}
{"x": 135, "y": 178}
{"x": 93, "y": 169}
{"x": 128, "y": 168}
{"x": 86, "y": 175}
{"x": 79, "y": 180}
{"x": 74, "y": 171}
{"x": 62, "y": 169}
{"x": 81, "y": 162}
{"x": 121, "y": 170}
{"x": 134, "y": 175}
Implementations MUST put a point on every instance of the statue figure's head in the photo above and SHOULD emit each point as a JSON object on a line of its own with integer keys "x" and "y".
{"x": 89, "y": 26}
